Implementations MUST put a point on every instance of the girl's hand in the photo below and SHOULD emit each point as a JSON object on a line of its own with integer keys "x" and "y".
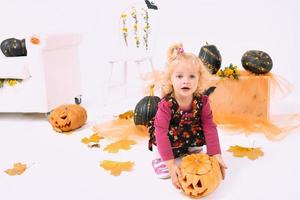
{"x": 174, "y": 172}
{"x": 221, "y": 163}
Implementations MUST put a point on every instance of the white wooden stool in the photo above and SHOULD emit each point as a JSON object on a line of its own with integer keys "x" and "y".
{"x": 138, "y": 62}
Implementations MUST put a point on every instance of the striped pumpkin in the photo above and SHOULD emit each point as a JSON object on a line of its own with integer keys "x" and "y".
{"x": 13, "y": 47}
{"x": 146, "y": 108}
{"x": 257, "y": 62}
{"x": 211, "y": 57}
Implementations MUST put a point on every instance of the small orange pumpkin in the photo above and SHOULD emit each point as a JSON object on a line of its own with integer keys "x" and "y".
{"x": 67, "y": 117}
{"x": 200, "y": 175}
{"x": 35, "y": 40}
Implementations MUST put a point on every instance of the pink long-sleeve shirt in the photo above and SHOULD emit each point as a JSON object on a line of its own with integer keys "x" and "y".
{"x": 162, "y": 122}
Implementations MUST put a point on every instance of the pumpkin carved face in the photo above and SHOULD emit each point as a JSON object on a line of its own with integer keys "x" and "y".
{"x": 67, "y": 117}
{"x": 200, "y": 175}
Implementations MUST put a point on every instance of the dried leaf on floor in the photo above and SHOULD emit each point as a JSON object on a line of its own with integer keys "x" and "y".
{"x": 95, "y": 138}
{"x": 126, "y": 115}
{"x": 116, "y": 168}
{"x": 17, "y": 169}
{"x": 94, "y": 145}
{"x": 251, "y": 153}
{"x": 121, "y": 144}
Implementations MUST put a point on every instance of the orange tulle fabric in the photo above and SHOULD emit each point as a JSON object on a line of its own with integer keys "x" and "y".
{"x": 121, "y": 129}
{"x": 275, "y": 128}
{"x": 243, "y": 105}
{"x": 247, "y": 102}
{"x": 279, "y": 87}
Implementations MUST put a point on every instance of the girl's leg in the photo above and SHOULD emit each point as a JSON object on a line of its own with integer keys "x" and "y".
{"x": 159, "y": 165}
{"x": 195, "y": 150}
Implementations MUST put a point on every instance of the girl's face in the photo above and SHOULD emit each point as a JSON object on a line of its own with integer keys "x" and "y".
{"x": 185, "y": 79}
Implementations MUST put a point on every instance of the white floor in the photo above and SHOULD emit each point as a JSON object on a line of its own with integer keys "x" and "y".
{"x": 61, "y": 167}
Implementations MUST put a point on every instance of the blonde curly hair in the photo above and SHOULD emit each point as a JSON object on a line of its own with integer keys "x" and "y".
{"x": 175, "y": 56}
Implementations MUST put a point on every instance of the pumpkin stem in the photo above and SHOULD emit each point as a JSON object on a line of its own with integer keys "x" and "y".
{"x": 152, "y": 89}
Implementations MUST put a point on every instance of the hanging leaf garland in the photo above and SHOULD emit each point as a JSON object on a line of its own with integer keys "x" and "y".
{"x": 146, "y": 27}
{"x": 124, "y": 28}
{"x": 136, "y": 26}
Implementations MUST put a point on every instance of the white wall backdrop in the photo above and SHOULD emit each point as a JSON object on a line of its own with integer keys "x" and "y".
{"x": 234, "y": 26}
{"x": 64, "y": 168}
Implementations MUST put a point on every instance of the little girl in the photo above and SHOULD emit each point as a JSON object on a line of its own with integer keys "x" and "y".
{"x": 184, "y": 119}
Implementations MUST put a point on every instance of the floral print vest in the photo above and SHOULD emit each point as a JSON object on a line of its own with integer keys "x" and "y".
{"x": 185, "y": 127}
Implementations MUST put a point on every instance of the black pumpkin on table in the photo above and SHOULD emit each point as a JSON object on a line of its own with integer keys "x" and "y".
{"x": 211, "y": 57}
{"x": 13, "y": 47}
{"x": 146, "y": 108}
{"x": 257, "y": 62}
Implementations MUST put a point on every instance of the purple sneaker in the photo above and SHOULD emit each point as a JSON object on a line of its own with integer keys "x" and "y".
{"x": 160, "y": 168}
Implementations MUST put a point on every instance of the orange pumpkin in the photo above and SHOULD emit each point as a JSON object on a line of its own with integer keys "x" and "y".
{"x": 35, "y": 40}
{"x": 200, "y": 175}
{"x": 67, "y": 117}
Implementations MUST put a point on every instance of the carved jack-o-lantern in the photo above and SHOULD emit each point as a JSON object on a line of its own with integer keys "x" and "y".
{"x": 67, "y": 117}
{"x": 200, "y": 175}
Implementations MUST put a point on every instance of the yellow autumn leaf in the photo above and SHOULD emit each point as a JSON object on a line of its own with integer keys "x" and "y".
{"x": 121, "y": 144}
{"x": 17, "y": 169}
{"x": 251, "y": 153}
{"x": 85, "y": 140}
{"x": 126, "y": 115}
{"x": 116, "y": 168}
{"x": 95, "y": 138}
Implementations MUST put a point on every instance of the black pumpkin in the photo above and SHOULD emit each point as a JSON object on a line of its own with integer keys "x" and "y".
{"x": 257, "y": 62}
{"x": 211, "y": 57}
{"x": 12, "y": 47}
{"x": 145, "y": 110}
